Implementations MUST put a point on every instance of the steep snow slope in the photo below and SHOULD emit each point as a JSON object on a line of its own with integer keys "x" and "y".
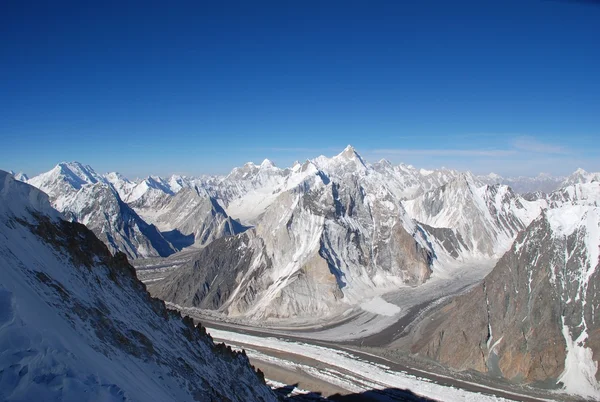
{"x": 77, "y": 325}
{"x": 408, "y": 182}
{"x": 86, "y": 197}
{"x": 534, "y": 318}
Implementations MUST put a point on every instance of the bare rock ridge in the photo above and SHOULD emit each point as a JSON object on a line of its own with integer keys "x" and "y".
{"x": 76, "y": 323}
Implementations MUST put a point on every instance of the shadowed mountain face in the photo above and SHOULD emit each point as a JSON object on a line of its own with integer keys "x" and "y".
{"x": 534, "y": 317}
{"x": 76, "y": 324}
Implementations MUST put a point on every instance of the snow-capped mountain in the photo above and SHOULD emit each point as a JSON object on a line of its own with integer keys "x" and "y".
{"x": 586, "y": 193}
{"x": 64, "y": 180}
{"x": 100, "y": 208}
{"x": 19, "y": 176}
{"x": 534, "y": 317}
{"x": 83, "y": 195}
{"x": 193, "y": 212}
{"x": 334, "y": 239}
{"x": 543, "y": 182}
{"x": 580, "y": 176}
{"x": 249, "y": 190}
{"x": 472, "y": 221}
{"x": 122, "y": 185}
{"x": 408, "y": 182}
{"x": 149, "y": 193}
{"x": 77, "y": 325}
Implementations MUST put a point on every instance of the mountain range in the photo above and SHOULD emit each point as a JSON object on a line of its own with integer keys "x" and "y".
{"x": 314, "y": 240}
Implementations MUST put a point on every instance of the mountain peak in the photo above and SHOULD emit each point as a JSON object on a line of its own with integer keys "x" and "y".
{"x": 349, "y": 152}
{"x": 267, "y": 164}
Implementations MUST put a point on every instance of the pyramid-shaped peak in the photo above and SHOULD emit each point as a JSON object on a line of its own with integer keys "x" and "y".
{"x": 267, "y": 164}
{"x": 349, "y": 151}
{"x": 580, "y": 171}
{"x": 385, "y": 162}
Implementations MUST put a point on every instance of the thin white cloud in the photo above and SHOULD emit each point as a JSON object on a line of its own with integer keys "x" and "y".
{"x": 531, "y": 144}
{"x": 445, "y": 152}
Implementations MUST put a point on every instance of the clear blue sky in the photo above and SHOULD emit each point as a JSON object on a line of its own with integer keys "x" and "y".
{"x": 200, "y": 87}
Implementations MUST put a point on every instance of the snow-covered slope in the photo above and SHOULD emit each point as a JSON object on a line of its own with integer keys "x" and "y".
{"x": 408, "y": 182}
{"x": 21, "y": 176}
{"x": 576, "y": 194}
{"x": 249, "y": 190}
{"x": 100, "y": 208}
{"x": 77, "y": 325}
{"x": 193, "y": 212}
{"x": 465, "y": 220}
{"x": 84, "y": 196}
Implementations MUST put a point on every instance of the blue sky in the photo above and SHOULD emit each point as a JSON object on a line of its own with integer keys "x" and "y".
{"x": 200, "y": 87}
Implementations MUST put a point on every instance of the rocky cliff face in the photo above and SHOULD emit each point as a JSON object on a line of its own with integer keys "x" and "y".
{"x": 534, "y": 317}
{"x": 76, "y": 324}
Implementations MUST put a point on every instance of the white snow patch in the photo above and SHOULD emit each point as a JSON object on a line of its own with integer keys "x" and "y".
{"x": 579, "y": 376}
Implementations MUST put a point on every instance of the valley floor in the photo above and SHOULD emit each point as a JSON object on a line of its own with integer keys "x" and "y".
{"x": 327, "y": 369}
{"x": 355, "y": 353}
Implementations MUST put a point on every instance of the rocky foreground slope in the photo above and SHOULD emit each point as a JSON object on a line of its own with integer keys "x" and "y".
{"x": 77, "y": 325}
